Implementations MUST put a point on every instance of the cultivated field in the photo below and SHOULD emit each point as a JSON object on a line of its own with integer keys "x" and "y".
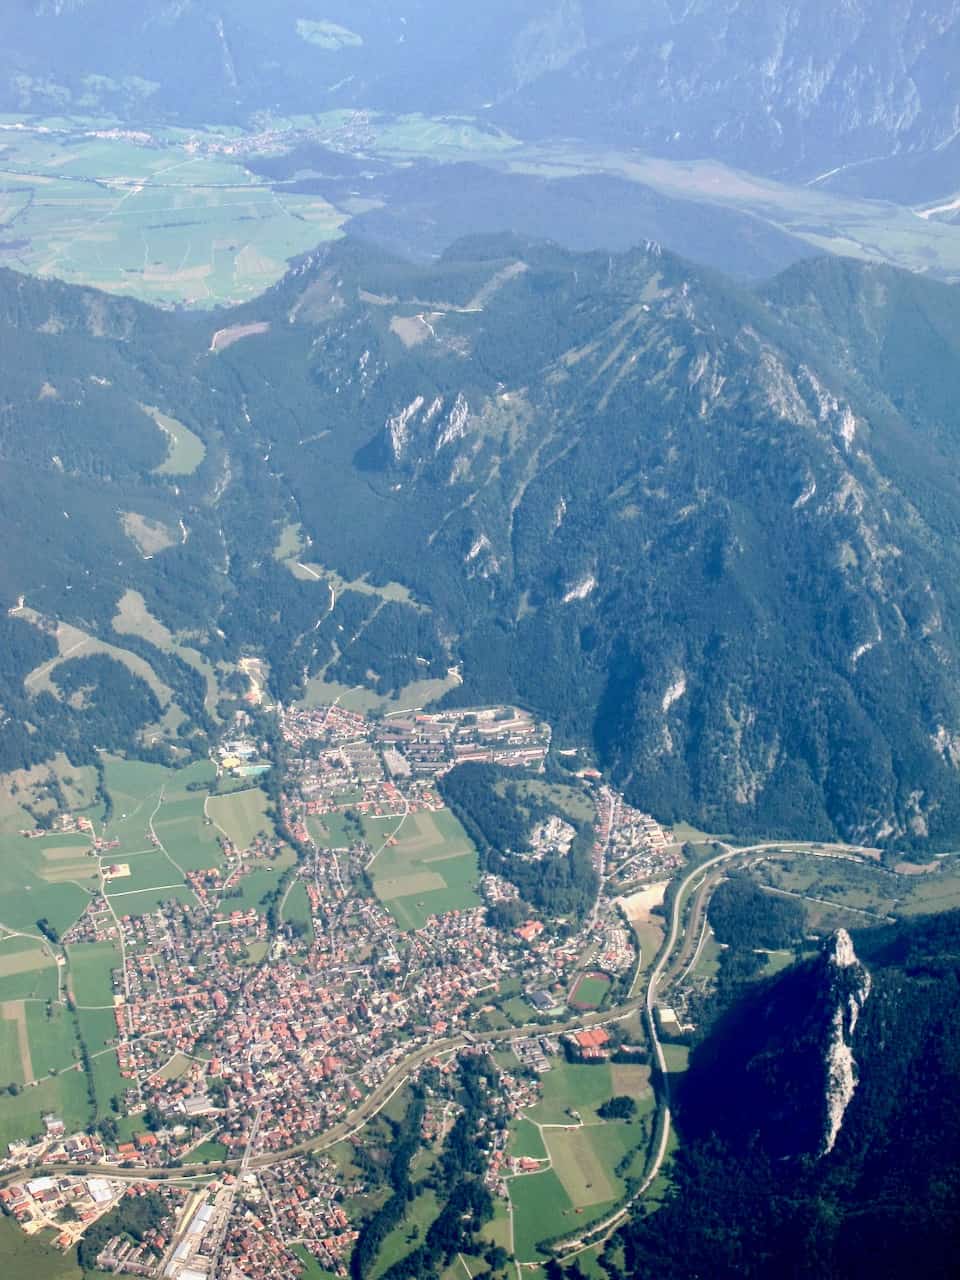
{"x": 154, "y": 220}
{"x": 581, "y": 1182}
{"x": 431, "y": 868}
{"x": 27, "y": 894}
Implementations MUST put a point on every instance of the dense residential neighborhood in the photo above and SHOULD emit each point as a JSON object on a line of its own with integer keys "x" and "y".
{"x": 246, "y": 1033}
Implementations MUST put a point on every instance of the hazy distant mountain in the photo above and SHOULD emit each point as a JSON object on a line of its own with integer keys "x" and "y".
{"x": 793, "y": 87}
{"x": 712, "y": 531}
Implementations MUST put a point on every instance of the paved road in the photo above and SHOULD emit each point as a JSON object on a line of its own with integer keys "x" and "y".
{"x": 374, "y": 1101}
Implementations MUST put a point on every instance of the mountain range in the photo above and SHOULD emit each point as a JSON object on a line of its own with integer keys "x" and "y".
{"x": 709, "y": 532}
{"x": 796, "y": 88}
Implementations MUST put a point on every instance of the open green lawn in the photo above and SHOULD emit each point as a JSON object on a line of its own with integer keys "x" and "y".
{"x": 185, "y": 834}
{"x": 53, "y": 1038}
{"x": 572, "y": 1086}
{"x": 11, "y": 1070}
{"x": 207, "y": 1151}
{"x": 330, "y": 831}
{"x": 525, "y": 1140}
{"x": 677, "y": 1056}
{"x": 241, "y": 815}
{"x": 23, "y": 1257}
{"x": 107, "y": 1080}
{"x": 585, "y": 1159}
{"x": 570, "y": 799}
{"x": 91, "y": 965}
{"x": 97, "y": 1028}
{"x": 185, "y": 450}
{"x": 432, "y": 868}
{"x": 151, "y": 870}
{"x": 541, "y": 1209}
{"x": 141, "y": 904}
{"x": 297, "y": 908}
{"x": 312, "y": 1269}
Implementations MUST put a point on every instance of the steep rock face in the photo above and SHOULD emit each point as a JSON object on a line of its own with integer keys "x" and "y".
{"x": 784, "y": 1064}
{"x": 851, "y": 984}
{"x": 757, "y": 1195}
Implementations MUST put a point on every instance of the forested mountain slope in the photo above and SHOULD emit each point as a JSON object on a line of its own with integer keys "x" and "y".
{"x": 755, "y": 1194}
{"x": 710, "y": 531}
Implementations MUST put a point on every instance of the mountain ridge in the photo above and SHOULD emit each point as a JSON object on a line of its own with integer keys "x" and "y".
{"x": 708, "y": 530}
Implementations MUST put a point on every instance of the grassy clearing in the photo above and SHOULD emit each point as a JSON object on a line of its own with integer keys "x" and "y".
{"x": 72, "y": 642}
{"x": 572, "y": 1086}
{"x": 107, "y": 1081}
{"x": 178, "y": 1066}
{"x": 97, "y": 1028}
{"x": 27, "y": 970}
{"x": 330, "y": 831}
{"x": 420, "y": 1213}
{"x": 541, "y": 1209}
{"x": 53, "y": 1038}
{"x": 256, "y": 884}
{"x": 430, "y": 869}
{"x": 571, "y": 800}
{"x": 312, "y": 1269}
{"x": 676, "y": 1056}
{"x": 37, "y": 786}
{"x": 415, "y": 696}
{"x": 134, "y": 618}
{"x": 91, "y": 965}
{"x": 185, "y": 451}
{"x": 584, "y": 1160}
{"x": 242, "y": 815}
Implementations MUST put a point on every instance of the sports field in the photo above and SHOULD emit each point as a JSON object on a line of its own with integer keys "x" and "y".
{"x": 240, "y": 815}
{"x": 589, "y": 991}
{"x": 428, "y": 868}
